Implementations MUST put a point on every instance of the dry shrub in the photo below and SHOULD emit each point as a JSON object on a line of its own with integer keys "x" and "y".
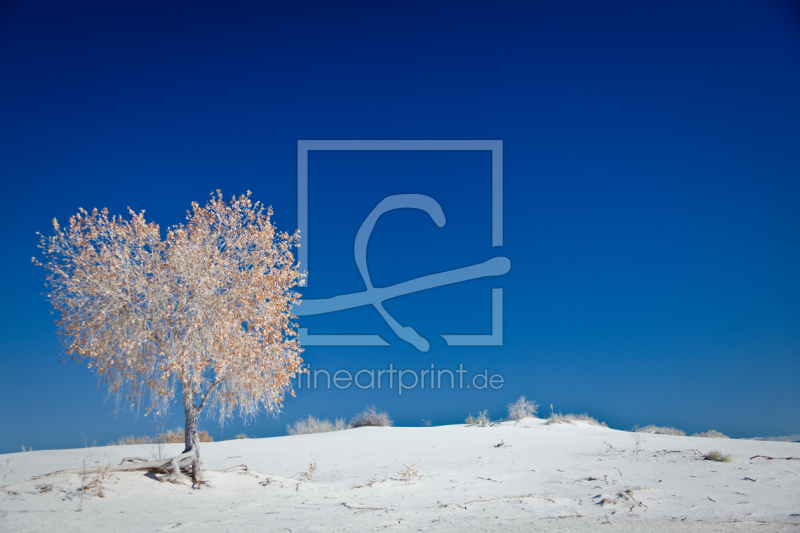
{"x": 658, "y": 430}
{"x": 315, "y": 425}
{"x": 95, "y": 486}
{"x": 481, "y": 420}
{"x": 558, "y": 418}
{"x": 713, "y": 434}
{"x": 170, "y": 437}
{"x": 123, "y": 441}
{"x": 370, "y": 417}
{"x": 177, "y": 437}
{"x": 312, "y": 467}
{"x": 409, "y": 473}
{"x": 717, "y": 455}
{"x": 522, "y": 408}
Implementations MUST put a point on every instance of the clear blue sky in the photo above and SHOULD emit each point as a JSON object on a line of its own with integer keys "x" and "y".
{"x": 652, "y": 157}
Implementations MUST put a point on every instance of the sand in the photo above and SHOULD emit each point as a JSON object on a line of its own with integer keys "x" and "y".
{"x": 449, "y": 478}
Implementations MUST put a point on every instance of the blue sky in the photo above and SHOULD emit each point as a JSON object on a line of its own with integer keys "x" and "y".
{"x": 651, "y": 192}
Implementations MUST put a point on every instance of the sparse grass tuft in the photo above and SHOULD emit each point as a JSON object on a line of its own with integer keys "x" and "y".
{"x": 717, "y": 455}
{"x": 558, "y": 418}
{"x": 522, "y": 408}
{"x": 589, "y": 420}
{"x": 713, "y": 434}
{"x": 315, "y": 425}
{"x": 241, "y": 436}
{"x": 370, "y": 417}
{"x": 657, "y": 430}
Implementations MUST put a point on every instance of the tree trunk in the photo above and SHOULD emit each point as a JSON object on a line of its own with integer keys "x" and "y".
{"x": 191, "y": 438}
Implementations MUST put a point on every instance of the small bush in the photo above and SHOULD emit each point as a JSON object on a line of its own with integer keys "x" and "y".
{"x": 522, "y": 408}
{"x": 315, "y": 425}
{"x": 370, "y": 417}
{"x": 241, "y": 436}
{"x": 657, "y": 430}
{"x": 558, "y": 418}
{"x": 713, "y": 434}
{"x": 717, "y": 455}
{"x": 481, "y": 420}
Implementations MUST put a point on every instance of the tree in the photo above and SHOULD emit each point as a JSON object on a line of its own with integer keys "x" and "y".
{"x": 205, "y": 311}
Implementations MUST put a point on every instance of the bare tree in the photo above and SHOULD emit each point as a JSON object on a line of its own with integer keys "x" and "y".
{"x": 206, "y": 311}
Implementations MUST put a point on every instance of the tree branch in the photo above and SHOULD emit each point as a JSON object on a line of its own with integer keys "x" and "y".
{"x": 213, "y": 386}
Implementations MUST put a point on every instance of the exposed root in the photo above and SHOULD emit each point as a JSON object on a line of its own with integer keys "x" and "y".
{"x": 173, "y": 472}
{"x": 174, "y": 469}
{"x": 133, "y": 459}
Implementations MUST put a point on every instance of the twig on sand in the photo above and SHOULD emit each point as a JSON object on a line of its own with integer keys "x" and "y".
{"x": 364, "y": 508}
{"x": 576, "y": 515}
{"x": 696, "y": 452}
{"x": 83, "y": 486}
{"x": 506, "y": 498}
{"x": 371, "y": 483}
{"x": 408, "y": 474}
{"x": 629, "y": 493}
{"x": 244, "y": 467}
{"x": 773, "y": 458}
{"x": 307, "y": 475}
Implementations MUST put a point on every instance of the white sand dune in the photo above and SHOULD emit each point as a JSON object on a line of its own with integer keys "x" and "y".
{"x": 545, "y": 478}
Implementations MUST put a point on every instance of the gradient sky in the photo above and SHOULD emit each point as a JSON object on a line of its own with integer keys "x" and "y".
{"x": 652, "y": 157}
